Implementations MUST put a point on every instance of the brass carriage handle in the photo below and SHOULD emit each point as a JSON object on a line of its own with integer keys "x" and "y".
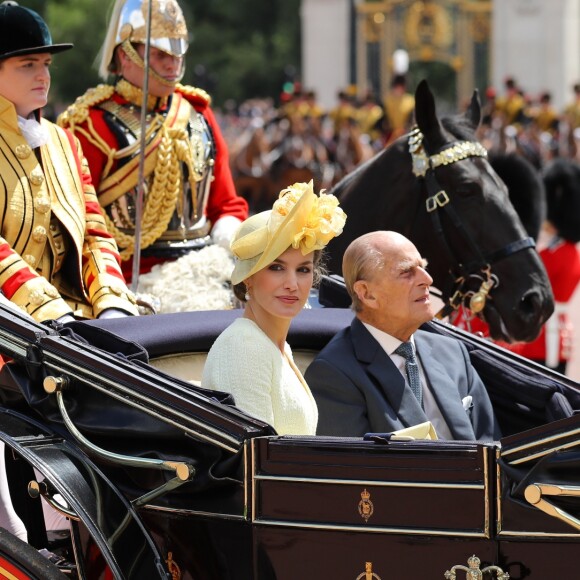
{"x": 183, "y": 471}
{"x": 42, "y": 488}
{"x": 534, "y": 495}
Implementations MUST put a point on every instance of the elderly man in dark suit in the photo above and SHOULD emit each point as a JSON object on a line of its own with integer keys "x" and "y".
{"x": 382, "y": 373}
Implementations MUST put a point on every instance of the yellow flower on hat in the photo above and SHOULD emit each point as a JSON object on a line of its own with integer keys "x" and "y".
{"x": 324, "y": 221}
{"x": 299, "y": 219}
{"x": 286, "y": 201}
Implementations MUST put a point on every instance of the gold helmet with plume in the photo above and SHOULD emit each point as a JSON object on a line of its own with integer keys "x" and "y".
{"x": 128, "y": 25}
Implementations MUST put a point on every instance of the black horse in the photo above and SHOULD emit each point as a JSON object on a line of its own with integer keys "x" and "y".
{"x": 436, "y": 187}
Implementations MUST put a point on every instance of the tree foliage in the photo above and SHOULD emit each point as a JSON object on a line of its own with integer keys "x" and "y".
{"x": 238, "y": 48}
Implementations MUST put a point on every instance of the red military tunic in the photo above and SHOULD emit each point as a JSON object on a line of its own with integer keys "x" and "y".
{"x": 107, "y": 156}
{"x": 562, "y": 262}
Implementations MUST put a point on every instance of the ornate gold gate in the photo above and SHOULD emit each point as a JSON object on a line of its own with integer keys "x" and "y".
{"x": 453, "y": 34}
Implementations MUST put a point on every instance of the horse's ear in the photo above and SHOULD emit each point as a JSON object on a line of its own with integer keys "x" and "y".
{"x": 473, "y": 112}
{"x": 426, "y": 115}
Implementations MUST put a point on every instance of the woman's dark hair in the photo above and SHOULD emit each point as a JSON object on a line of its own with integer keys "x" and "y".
{"x": 319, "y": 271}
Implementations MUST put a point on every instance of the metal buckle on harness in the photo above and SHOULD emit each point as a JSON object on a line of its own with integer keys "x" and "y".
{"x": 438, "y": 200}
{"x": 456, "y": 300}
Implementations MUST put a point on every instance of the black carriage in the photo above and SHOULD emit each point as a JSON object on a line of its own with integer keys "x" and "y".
{"x": 160, "y": 479}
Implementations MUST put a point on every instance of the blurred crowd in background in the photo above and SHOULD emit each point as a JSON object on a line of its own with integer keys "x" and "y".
{"x": 272, "y": 144}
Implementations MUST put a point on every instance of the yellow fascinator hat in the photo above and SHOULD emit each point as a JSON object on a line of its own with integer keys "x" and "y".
{"x": 298, "y": 218}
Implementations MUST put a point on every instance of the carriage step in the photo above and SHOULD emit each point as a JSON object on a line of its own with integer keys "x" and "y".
{"x": 65, "y": 566}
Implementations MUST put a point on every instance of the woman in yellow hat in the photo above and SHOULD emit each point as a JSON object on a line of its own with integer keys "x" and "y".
{"x": 277, "y": 259}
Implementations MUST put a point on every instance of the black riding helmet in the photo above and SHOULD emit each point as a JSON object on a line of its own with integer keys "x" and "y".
{"x": 23, "y": 31}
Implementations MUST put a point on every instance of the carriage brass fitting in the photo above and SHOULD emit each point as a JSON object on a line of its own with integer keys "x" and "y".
{"x": 54, "y": 384}
{"x": 183, "y": 471}
{"x": 36, "y": 489}
{"x": 535, "y": 494}
{"x": 43, "y": 489}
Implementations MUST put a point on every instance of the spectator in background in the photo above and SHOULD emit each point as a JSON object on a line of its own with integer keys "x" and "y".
{"x": 370, "y": 117}
{"x": 545, "y": 115}
{"x": 572, "y": 110}
{"x": 511, "y": 105}
{"x": 571, "y": 116}
{"x": 399, "y": 106}
{"x": 344, "y": 113}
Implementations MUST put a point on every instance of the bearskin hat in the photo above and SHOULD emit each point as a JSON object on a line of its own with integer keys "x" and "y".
{"x": 562, "y": 181}
{"x": 525, "y": 188}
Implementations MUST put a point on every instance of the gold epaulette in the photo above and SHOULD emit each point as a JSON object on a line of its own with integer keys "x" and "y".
{"x": 194, "y": 93}
{"x": 78, "y": 112}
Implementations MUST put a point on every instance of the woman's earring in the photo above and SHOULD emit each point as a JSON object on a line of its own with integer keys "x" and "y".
{"x": 247, "y": 296}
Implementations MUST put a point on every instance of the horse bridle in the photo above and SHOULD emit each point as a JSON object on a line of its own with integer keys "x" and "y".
{"x": 424, "y": 166}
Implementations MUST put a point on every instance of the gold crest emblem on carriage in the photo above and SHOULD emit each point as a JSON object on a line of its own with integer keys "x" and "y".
{"x": 368, "y": 574}
{"x": 473, "y": 571}
{"x": 365, "y": 505}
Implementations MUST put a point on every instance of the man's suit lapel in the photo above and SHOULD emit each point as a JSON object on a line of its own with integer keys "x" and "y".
{"x": 444, "y": 390}
{"x": 383, "y": 370}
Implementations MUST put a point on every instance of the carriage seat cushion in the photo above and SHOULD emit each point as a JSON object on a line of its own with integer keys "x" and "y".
{"x": 163, "y": 334}
{"x": 177, "y": 344}
{"x": 188, "y": 366}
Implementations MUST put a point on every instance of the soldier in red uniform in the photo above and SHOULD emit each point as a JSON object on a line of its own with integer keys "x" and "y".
{"x": 557, "y": 247}
{"x": 189, "y": 194}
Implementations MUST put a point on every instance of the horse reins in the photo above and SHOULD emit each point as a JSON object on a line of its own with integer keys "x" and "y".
{"x": 424, "y": 166}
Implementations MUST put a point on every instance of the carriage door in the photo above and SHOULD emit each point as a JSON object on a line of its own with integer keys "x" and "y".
{"x": 349, "y": 509}
{"x": 539, "y": 500}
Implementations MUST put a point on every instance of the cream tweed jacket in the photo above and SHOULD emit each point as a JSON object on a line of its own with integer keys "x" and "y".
{"x": 265, "y": 383}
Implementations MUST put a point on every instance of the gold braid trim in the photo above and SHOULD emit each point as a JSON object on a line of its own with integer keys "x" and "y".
{"x": 134, "y": 95}
{"x": 78, "y": 112}
{"x": 162, "y": 198}
{"x": 185, "y": 153}
{"x": 189, "y": 91}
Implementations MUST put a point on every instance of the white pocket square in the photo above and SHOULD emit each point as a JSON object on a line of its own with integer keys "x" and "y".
{"x": 467, "y": 402}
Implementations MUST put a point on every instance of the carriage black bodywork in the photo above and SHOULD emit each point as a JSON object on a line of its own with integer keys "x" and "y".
{"x": 161, "y": 479}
